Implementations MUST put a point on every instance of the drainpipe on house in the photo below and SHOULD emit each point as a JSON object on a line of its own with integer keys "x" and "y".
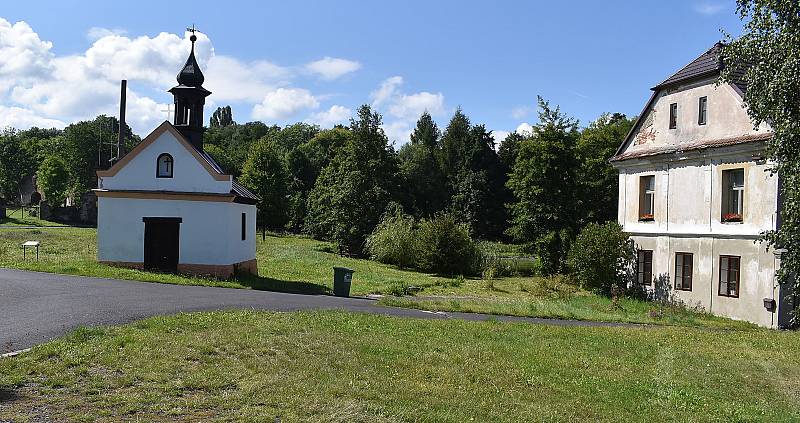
{"x": 711, "y": 233}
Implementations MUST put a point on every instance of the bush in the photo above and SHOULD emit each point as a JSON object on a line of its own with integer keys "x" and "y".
{"x": 446, "y": 247}
{"x": 601, "y": 257}
{"x": 394, "y": 240}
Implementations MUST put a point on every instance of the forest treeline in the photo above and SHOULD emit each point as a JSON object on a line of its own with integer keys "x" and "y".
{"x": 536, "y": 188}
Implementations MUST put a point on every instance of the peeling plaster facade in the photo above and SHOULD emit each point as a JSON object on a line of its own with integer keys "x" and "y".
{"x": 687, "y": 164}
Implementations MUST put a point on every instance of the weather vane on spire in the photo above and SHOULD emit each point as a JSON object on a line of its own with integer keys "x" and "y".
{"x": 193, "y": 37}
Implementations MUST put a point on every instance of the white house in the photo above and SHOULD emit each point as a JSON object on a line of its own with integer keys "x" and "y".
{"x": 695, "y": 192}
{"x": 167, "y": 206}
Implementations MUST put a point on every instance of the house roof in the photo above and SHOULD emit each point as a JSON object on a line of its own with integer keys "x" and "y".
{"x": 705, "y": 65}
{"x": 243, "y": 195}
{"x": 693, "y": 146}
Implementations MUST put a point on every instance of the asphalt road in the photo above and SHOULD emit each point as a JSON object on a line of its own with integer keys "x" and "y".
{"x": 36, "y": 307}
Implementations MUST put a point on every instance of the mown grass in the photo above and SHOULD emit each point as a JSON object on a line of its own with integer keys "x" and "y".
{"x": 286, "y": 263}
{"x": 17, "y": 217}
{"x": 335, "y": 366}
{"x": 556, "y": 298}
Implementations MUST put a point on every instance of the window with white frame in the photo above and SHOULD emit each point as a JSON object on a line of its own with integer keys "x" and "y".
{"x": 729, "y": 276}
{"x": 702, "y": 111}
{"x": 647, "y": 198}
{"x": 733, "y": 195}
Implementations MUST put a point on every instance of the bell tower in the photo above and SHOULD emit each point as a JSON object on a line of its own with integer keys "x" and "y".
{"x": 190, "y": 97}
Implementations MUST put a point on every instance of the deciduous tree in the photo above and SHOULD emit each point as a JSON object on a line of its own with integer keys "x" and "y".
{"x": 52, "y": 179}
{"x": 16, "y": 163}
{"x": 265, "y": 174}
{"x": 767, "y": 58}
{"x": 352, "y": 192}
{"x": 543, "y": 182}
{"x": 222, "y": 117}
{"x": 598, "y": 181}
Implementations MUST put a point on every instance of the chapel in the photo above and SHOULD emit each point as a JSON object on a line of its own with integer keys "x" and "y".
{"x": 167, "y": 206}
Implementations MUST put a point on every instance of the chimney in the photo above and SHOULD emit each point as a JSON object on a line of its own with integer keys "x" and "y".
{"x": 121, "y": 134}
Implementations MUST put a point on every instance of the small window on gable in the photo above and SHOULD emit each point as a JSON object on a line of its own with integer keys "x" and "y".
{"x": 673, "y": 115}
{"x": 164, "y": 166}
{"x": 702, "y": 111}
{"x": 733, "y": 195}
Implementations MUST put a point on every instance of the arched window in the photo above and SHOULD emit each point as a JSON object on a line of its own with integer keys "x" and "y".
{"x": 164, "y": 166}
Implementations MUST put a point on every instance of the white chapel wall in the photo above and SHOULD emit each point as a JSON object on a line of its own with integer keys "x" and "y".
{"x": 206, "y": 235}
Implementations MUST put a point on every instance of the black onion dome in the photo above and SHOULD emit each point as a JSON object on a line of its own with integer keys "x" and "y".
{"x": 190, "y": 75}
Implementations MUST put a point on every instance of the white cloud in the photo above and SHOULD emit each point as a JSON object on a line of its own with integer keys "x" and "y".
{"x": 386, "y": 90}
{"x": 520, "y": 112}
{"x": 413, "y": 105}
{"x": 22, "y": 52}
{"x": 398, "y": 131}
{"x": 56, "y": 89}
{"x": 525, "y": 128}
{"x": 499, "y": 136}
{"x": 709, "y": 9}
{"x": 404, "y": 108}
{"x": 96, "y": 32}
{"x": 330, "y": 68}
{"x": 327, "y": 118}
{"x": 40, "y": 88}
{"x": 17, "y": 117}
{"x": 232, "y": 80}
{"x": 284, "y": 103}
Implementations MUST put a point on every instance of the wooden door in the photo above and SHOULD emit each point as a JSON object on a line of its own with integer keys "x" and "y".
{"x": 161, "y": 243}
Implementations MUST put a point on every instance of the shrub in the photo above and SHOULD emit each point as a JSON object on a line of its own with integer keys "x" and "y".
{"x": 394, "y": 240}
{"x": 446, "y": 247}
{"x": 601, "y": 257}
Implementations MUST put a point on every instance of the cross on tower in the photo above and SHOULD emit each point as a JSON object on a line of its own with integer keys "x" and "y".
{"x": 192, "y": 29}
{"x": 168, "y": 110}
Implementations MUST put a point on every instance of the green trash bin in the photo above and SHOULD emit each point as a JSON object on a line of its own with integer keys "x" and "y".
{"x": 342, "y": 277}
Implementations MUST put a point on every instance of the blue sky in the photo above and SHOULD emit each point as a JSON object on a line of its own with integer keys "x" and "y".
{"x": 316, "y": 61}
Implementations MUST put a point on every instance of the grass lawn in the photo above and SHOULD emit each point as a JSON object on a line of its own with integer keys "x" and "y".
{"x": 336, "y": 366}
{"x": 16, "y": 217}
{"x": 552, "y": 298}
{"x": 285, "y": 263}
{"x": 297, "y": 264}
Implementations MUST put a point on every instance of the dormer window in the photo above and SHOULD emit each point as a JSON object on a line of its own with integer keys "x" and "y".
{"x": 164, "y": 166}
{"x": 702, "y": 111}
{"x": 673, "y": 115}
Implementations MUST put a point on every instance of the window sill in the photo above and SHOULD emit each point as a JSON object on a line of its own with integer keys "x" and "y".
{"x": 647, "y": 220}
{"x": 728, "y": 296}
{"x": 731, "y": 222}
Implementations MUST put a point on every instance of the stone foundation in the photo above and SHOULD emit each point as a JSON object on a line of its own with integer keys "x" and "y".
{"x": 220, "y": 271}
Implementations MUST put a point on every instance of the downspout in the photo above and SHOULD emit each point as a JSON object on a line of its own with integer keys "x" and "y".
{"x": 710, "y": 232}
{"x": 776, "y": 257}
{"x": 669, "y": 236}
